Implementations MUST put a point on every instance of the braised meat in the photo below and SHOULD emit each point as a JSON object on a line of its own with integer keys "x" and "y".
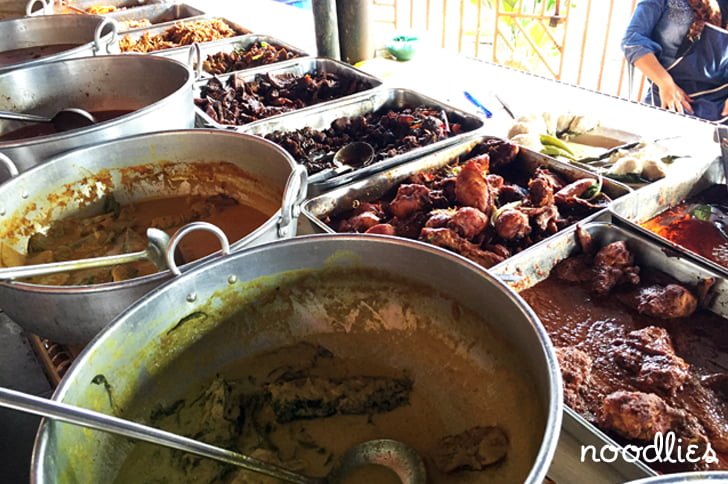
{"x": 648, "y": 354}
{"x": 238, "y": 102}
{"x": 483, "y": 216}
{"x": 639, "y": 416}
{"x": 576, "y": 368}
{"x": 613, "y": 265}
{"x": 472, "y": 450}
{"x": 671, "y": 301}
{"x": 258, "y": 54}
{"x": 317, "y": 397}
{"x": 390, "y": 131}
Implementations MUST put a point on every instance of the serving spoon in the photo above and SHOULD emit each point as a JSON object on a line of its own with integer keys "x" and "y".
{"x": 394, "y": 455}
{"x": 64, "y": 120}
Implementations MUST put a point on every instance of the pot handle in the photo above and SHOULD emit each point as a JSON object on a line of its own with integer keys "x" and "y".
{"x": 46, "y": 7}
{"x": 9, "y": 165}
{"x": 293, "y": 197}
{"x": 100, "y": 32}
{"x": 194, "y": 60}
{"x": 181, "y": 233}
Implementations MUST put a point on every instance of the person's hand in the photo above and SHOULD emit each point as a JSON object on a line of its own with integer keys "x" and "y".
{"x": 673, "y": 98}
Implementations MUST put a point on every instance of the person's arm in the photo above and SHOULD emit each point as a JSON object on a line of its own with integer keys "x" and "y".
{"x": 642, "y": 51}
{"x": 672, "y": 97}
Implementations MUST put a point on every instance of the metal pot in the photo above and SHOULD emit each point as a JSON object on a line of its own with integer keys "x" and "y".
{"x": 77, "y": 181}
{"x": 159, "y": 91}
{"x": 84, "y": 31}
{"x": 161, "y": 348}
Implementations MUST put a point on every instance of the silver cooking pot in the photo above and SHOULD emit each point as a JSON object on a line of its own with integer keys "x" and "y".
{"x": 86, "y": 32}
{"x": 183, "y": 334}
{"x": 158, "y": 90}
{"x": 76, "y": 183}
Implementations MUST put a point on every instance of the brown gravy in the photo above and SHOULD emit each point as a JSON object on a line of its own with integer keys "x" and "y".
{"x": 15, "y": 56}
{"x": 44, "y": 129}
{"x": 574, "y": 316}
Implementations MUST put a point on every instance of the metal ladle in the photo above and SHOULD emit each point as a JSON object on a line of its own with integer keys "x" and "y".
{"x": 64, "y": 120}
{"x": 157, "y": 242}
{"x": 350, "y": 156}
{"x": 396, "y": 456}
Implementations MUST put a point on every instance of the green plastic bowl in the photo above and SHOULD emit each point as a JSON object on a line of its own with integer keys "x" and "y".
{"x": 403, "y": 47}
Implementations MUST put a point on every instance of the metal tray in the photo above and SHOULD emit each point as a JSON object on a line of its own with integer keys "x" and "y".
{"x": 297, "y": 67}
{"x": 162, "y": 14}
{"x": 321, "y": 118}
{"x": 654, "y": 199}
{"x": 341, "y": 199}
{"x": 226, "y": 45}
{"x": 533, "y": 266}
{"x": 158, "y": 29}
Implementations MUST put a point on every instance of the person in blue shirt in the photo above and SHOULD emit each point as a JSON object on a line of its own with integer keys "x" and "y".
{"x": 681, "y": 46}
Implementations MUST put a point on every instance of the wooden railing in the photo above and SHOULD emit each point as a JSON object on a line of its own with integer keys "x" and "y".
{"x": 576, "y": 41}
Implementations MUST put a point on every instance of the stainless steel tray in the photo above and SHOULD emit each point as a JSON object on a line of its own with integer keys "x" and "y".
{"x": 297, "y": 67}
{"x": 342, "y": 199}
{"x": 158, "y": 29}
{"x": 321, "y": 118}
{"x": 227, "y": 45}
{"x": 643, "y": 204}
{"x": 533, "y": 266}
{"x": 161, "y": 14}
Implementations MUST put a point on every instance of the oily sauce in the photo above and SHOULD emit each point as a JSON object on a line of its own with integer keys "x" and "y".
{"x": 574, "y": 316}
{"x": 700, "y": 224}
{"x": 16, "y": 56}
{"x": 44, "y": 129}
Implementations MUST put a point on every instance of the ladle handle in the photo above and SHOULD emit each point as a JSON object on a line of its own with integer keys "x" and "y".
{"x": 19, "y": 272}
{"x": 99, "y": 421}
{"x": 30, "y": 118}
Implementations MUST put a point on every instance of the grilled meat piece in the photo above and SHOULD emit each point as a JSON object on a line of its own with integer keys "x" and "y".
{"x": 448, "y": 239}
{"x": 471, "y": 187}
{"x": 317, "y": 397}
{"x": 576, "y": 368}
{"x": 468, "y": 222}
{"x": 639, "y": 416}
{"x": 472, "y": 450}
{"x": 512, "y": 224}
{"x": 614, "y": 265}
{"x": 410, "y": 199}
{"x": 649, "y": 355}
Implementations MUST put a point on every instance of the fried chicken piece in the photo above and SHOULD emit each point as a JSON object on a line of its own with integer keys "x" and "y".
{"x": 482, "y": 160}
{"x": 648, "y": 353}
{"x": 540, "y": 191}
{"x": 511, "y": 193}
{"x": 554, "y": 180}
{"x": 471, "y": 188}
{"x": 613, "y": 265}
{"x": 439, "y": 218}
{"x": 448, "y": 239}
{"x": 576, "y": 368}
{"x": 468, "y": 222}
{"x": 471, "y": 450}
{"x": 495, "y": 183}
{"x": 382, "y": 229}
{"x": 410, "y": 199}
{"x": 512, "y": 224}
{"x": 501, "y": 152}
{"x": 639, "y": 416}
{"x": 359, "y": 223}
{"x": 411, "y": 226}
{"x": 666, "y": 302}
{"x": 543, "y": 218}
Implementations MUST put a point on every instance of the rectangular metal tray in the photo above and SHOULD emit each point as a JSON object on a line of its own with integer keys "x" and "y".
{"x": 643, "y": 204}
{"x": 227, "y": 45}
{"x": 297, "y": 67}
{"x": 393, "y": 98}
{"x": 162, "y": 14}
{"x": 127, "y": 4}
{"x": 158, "y": 29}
{"x": 341, "y": 199}
{"x": 533, "y": 266}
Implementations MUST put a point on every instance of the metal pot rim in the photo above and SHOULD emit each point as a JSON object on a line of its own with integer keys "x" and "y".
{"x": 157, "y": 276}
{"x": 555, "y": 403}
{"x": 104, "y": 125}
{"x": 59, "y": 55}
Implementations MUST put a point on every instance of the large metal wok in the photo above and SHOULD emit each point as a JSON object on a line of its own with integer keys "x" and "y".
{"x": 304, "y": 289}
{"x": 158, "y": 90}
{"x": 77, "y": 182}
{"x": 83, "y": 31}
